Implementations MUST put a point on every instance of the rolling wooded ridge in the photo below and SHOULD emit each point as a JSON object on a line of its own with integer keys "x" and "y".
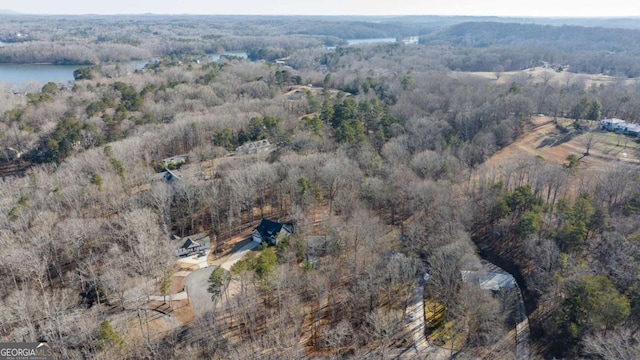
{"x": 390, "y": 161}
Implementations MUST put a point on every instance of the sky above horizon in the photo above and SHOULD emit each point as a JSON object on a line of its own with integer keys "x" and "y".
{"x": 539, "y": 8}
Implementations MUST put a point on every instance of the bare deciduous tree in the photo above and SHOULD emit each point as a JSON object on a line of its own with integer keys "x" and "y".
{"x": 590, "y": 139}
{"x": 622, "y": 343}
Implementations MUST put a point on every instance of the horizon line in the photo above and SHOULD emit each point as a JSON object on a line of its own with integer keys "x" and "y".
{"x": 15, "y": 13}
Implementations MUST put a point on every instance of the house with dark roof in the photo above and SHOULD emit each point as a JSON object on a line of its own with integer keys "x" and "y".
{"x": 191, "y": 244}
{"x": 171, "y": 176}
{"x": 268, "y": 231}
{"x": 168, "y": 176}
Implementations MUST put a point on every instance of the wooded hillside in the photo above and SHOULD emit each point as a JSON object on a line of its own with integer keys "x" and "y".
{"x": 378, "y": 149}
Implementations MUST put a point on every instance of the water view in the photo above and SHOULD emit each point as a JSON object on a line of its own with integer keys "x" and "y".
{"x": 20, "y": 74}
{"x": 216, "y": 57}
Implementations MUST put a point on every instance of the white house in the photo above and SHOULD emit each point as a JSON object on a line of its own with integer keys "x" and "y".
{"x": 410, "y": 40}
{"x": 612, "y": 124}
{"x": 253, "y": 147}
{"x": 631, "y": 129}
{"x": 620, "y": 126}
{"x": 489, "y": 280}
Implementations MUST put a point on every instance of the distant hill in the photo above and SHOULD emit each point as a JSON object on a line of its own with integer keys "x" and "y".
{"x": 493, "y": 30}
{"x": 566, "y": 37}
{"x": 611, "y": 22}
{"x": 592, "y": 50}
{"x": 8, "y": 12}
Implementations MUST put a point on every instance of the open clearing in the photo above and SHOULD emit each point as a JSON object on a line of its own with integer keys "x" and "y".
{"x": 542, "y": 138}
{"x": 564, "y": 77}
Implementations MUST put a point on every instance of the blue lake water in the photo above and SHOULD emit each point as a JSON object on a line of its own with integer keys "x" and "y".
{"x": 19, "y": 74}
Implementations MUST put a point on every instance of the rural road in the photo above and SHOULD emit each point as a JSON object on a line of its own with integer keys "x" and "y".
{"x": 522, "y": 331}
{"x": 421, "y": 349}
{"x": 522, "y": 338}
{"x": 417, "y": 324}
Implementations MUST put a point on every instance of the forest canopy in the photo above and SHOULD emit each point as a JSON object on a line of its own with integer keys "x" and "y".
{"x": 462, "y": 43}
{"x": 388, "y": 160}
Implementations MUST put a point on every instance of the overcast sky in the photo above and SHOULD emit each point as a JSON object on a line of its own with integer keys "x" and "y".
{"x": 563, "y": 8}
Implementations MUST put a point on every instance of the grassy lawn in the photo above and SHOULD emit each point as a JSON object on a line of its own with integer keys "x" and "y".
{"x": 608, "y": 142}
{"x": 443, "y": 333}
{"x": 611, "y": 140}
{"x": 434, "y": 314}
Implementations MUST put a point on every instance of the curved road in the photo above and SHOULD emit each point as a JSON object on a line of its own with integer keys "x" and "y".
{"x": 423, "y": 350}
{"x": 522, "y": 339}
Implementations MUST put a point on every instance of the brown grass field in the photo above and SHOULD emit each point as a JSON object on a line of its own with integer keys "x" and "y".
{"x": 563, "y": 77}
{"x": 542, "y": 138}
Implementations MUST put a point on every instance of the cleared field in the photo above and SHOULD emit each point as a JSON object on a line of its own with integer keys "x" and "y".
{"x": 552, "y": 76}
{"x": 544, "y": 139}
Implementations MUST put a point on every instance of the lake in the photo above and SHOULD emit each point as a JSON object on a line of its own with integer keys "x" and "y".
{"x": 216, "y": 57}
{"x": 20, "y": 74}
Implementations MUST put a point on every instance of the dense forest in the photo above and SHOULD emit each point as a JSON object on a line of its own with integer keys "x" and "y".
{"x": 385, "y": 151}
{"x": 488, "y": 45}
{"x": 608, "y": 46}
